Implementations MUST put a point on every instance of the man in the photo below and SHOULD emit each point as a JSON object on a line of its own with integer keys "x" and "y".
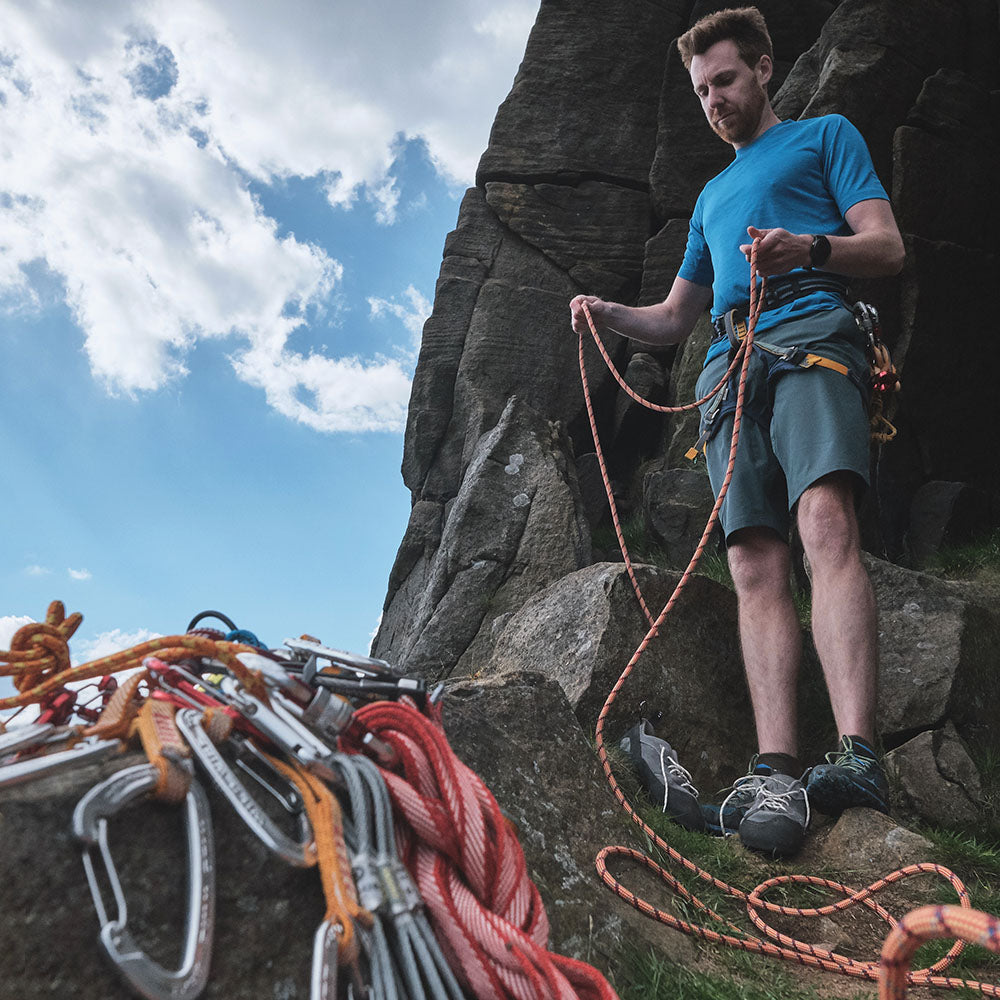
{"x": 807, "y": 191}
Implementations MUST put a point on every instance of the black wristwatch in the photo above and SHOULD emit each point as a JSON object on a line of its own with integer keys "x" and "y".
{"x": 819, "y": 252}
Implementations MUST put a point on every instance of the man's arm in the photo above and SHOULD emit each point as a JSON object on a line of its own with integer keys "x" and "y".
{"x": 668, "y": 322}
{"x": 874, "y": 248}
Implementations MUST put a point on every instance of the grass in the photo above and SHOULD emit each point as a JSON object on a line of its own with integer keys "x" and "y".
{"x": 641, "y": 547}
{"x": 650, "y": 977}
{"x": 968, "y": 561}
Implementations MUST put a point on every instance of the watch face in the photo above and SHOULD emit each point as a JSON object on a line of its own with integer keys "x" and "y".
{"x": 819, "y": 252}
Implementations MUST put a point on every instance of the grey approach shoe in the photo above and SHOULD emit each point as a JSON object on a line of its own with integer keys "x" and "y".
{"x": 777, "y": 819}
{"x": 667, "y": 783}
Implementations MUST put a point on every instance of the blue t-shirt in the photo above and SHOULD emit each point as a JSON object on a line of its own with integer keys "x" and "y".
{"x": 799, "y": 175}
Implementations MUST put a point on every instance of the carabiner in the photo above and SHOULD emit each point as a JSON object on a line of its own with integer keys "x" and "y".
{"x": 42, "y": 766}
{"x": 25, "y": 737}
{"x": 301, "y": 854}
{"x": 90, "y": 825}
{"x": 325, "y": 969}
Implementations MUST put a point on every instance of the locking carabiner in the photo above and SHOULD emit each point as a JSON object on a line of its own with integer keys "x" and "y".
{"x": 90, "y": 826}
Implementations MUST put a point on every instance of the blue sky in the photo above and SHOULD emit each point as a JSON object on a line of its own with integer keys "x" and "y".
{"x": 220, "y": 229}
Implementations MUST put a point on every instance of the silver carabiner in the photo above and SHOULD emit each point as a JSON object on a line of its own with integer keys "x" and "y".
{"x": 368, "y": 666}
{"x": 326, "y": 952}
{"x": 25, "y": 737}
{"x": 300, "y": 854}
{"x": 90, "y": 825}
{"x": 31, "y": 768}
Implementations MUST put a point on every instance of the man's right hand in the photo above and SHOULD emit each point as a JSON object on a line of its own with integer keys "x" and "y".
{"x": 599, "y": 311}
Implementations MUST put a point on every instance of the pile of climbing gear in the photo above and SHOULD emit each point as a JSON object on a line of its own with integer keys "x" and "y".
{"x": 426, "y": 886}
{"x": 892, "y": 972}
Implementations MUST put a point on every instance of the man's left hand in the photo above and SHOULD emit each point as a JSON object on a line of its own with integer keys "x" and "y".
{"x": 779, "y": 251}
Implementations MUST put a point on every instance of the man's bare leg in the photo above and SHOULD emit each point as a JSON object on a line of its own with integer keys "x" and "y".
{"x": 844, "y": 620}
{"x": 770, "y": 635}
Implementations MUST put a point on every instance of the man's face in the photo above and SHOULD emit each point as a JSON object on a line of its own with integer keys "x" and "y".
{"x": 733, "y": 96}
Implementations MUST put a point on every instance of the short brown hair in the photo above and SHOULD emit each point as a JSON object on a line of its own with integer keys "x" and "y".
{"x": 743, "y": 25}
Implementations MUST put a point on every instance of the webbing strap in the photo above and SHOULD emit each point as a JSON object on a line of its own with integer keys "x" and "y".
{"x": 343, "y": 910}
{"x": 165, "y": 748}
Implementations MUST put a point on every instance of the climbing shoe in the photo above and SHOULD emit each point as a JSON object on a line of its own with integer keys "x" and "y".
{"x": 851, "y": 776}
{"x": 724, "y": 820}
{"x": 667, "y": 783}
{"x": 775, "y": 822}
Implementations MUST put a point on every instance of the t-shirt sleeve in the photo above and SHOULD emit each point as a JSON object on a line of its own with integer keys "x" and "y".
{"x": 849, "y": 171}
{"x": 697, "y": 264}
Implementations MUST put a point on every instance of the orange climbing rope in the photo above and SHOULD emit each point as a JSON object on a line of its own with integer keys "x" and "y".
{"x": 774, "y": 943}
{"x": 922, "y": 925}
{"x": 39, "y": 660}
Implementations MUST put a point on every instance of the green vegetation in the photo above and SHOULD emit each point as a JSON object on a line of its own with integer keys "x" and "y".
{"x": 650, "y": 977}
{"x": 641, "y": 547}
{"x": 971, "y": 560}
{"x": 728, "y": 974}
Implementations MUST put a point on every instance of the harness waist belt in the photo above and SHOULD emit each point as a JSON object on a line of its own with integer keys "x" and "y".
{"x": 788, "y": 287}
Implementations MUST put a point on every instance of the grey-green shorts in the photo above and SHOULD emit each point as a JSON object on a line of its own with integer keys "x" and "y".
{"x": 799, "y": 424}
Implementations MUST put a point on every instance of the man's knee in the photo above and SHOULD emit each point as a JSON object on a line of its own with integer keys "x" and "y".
{"x": 827, "y": 522}
{"x": 758, "y": 560}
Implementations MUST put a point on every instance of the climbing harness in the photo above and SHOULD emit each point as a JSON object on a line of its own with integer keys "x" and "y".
{"x": 876, "y": 390}
{"x": 426, "y": 887}
{"x": 787, "y": 948}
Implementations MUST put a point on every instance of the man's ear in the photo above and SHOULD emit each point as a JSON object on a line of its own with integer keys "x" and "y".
{"x": 765, "y": 69}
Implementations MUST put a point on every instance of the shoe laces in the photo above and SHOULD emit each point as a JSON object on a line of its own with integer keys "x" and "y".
{"x": 769, "y": 800}
{"x": 746, "y": 788}
{"x": 845, "y": 756}
{"x": 670, "y": 766}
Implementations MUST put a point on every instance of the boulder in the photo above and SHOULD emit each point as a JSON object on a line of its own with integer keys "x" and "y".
{"x": 676, "y": 504}
{"x": 937, "y": 653}
{"x": 637, "y": 430}
{"x": 868, "y": 48}
{"x": 948, "y": 514}
{"x": 594, "y": 231}
{"x": 582, "y": 630}
{"x": 584, "y": 63}
{"x": 950, "y": 131}
{"x": 937, "y": 779}
{"x": 266, "y": 911}
{"x": 867, "y": 845}
{"x": 516, "y": 525}
{"x": 593, "y": 493}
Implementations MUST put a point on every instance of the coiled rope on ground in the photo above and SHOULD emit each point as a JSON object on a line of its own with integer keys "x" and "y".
{"x": 774, "y": 943}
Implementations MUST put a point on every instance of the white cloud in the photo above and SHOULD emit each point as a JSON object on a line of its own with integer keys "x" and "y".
{"x": 412, "y": 313}
{"x": 9, "y": 624}
{"x": 36, "y": 570}
{"x": 80, "y": 574}
{"x": 106, "y": 643}
{"x": 128, "y": 132}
